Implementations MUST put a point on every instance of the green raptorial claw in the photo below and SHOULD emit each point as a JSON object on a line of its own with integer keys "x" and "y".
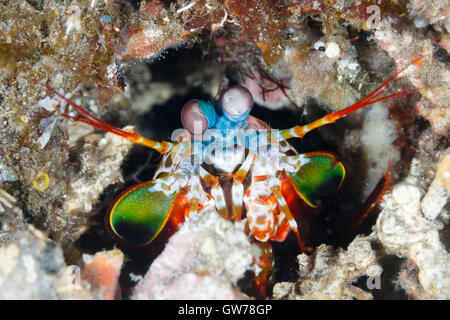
{"x": 319, "y": 178}
{"x": 139, "y": 214}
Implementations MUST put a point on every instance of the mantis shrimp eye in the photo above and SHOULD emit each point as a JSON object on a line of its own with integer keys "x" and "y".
{"x": 237, "y": 102}
{"x": 197, "y": 116}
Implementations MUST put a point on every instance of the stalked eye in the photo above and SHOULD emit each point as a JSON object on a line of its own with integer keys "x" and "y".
{"x": 237, "y": 102}
{"x": 197, "y": 116}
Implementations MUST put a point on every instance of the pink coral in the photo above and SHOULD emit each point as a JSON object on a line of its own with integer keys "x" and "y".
{"x": 102, "y": 272}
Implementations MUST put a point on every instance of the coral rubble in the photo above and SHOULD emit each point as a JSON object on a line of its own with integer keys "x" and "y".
{"x": 409, "y": 227}
{"x": 203, "y": 260}
{"x": 328, "y": 274}
{"x": 33, "y": 267}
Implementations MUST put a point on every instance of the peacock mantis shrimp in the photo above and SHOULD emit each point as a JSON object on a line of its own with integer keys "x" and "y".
{"x": 234, "y": 164}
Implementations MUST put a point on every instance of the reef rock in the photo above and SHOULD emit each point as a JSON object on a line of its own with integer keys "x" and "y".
{"x": 203, "y": 260}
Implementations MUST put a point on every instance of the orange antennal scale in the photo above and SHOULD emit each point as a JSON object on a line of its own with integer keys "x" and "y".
{"x": 87, "y": 118}
{"x": 371, "y": 98}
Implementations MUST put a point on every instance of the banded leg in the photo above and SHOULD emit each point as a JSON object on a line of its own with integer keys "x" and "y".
{"x": 264, "y": 269}
{"x": 290, "y": 218}
{"x": 269, "y": 225}
{"x": 193, "y": 198}
{"x": 237, "y": 190}
{"x": 198, "y": 199}
{"x": 216, "y": 191}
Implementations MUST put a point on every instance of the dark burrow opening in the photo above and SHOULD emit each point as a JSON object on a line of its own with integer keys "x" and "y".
{"x": 330, "y": 227}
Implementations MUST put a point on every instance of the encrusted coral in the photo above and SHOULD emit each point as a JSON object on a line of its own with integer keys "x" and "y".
{"x": 102, "y": 272}
{"x": 433, "y": 12}
{"x": 32, "y": 267}
{"x": 203, "y": 260}
{"x": 408, "y": 227}
{"x": 65, "y": 45}
{"x": 431, "y": 75}
{"x": 99, "y": 159}
{"x": 328, "y": 274}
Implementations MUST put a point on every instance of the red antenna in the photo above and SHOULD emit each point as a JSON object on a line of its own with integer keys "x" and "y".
{"x": 86, "y": 117}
